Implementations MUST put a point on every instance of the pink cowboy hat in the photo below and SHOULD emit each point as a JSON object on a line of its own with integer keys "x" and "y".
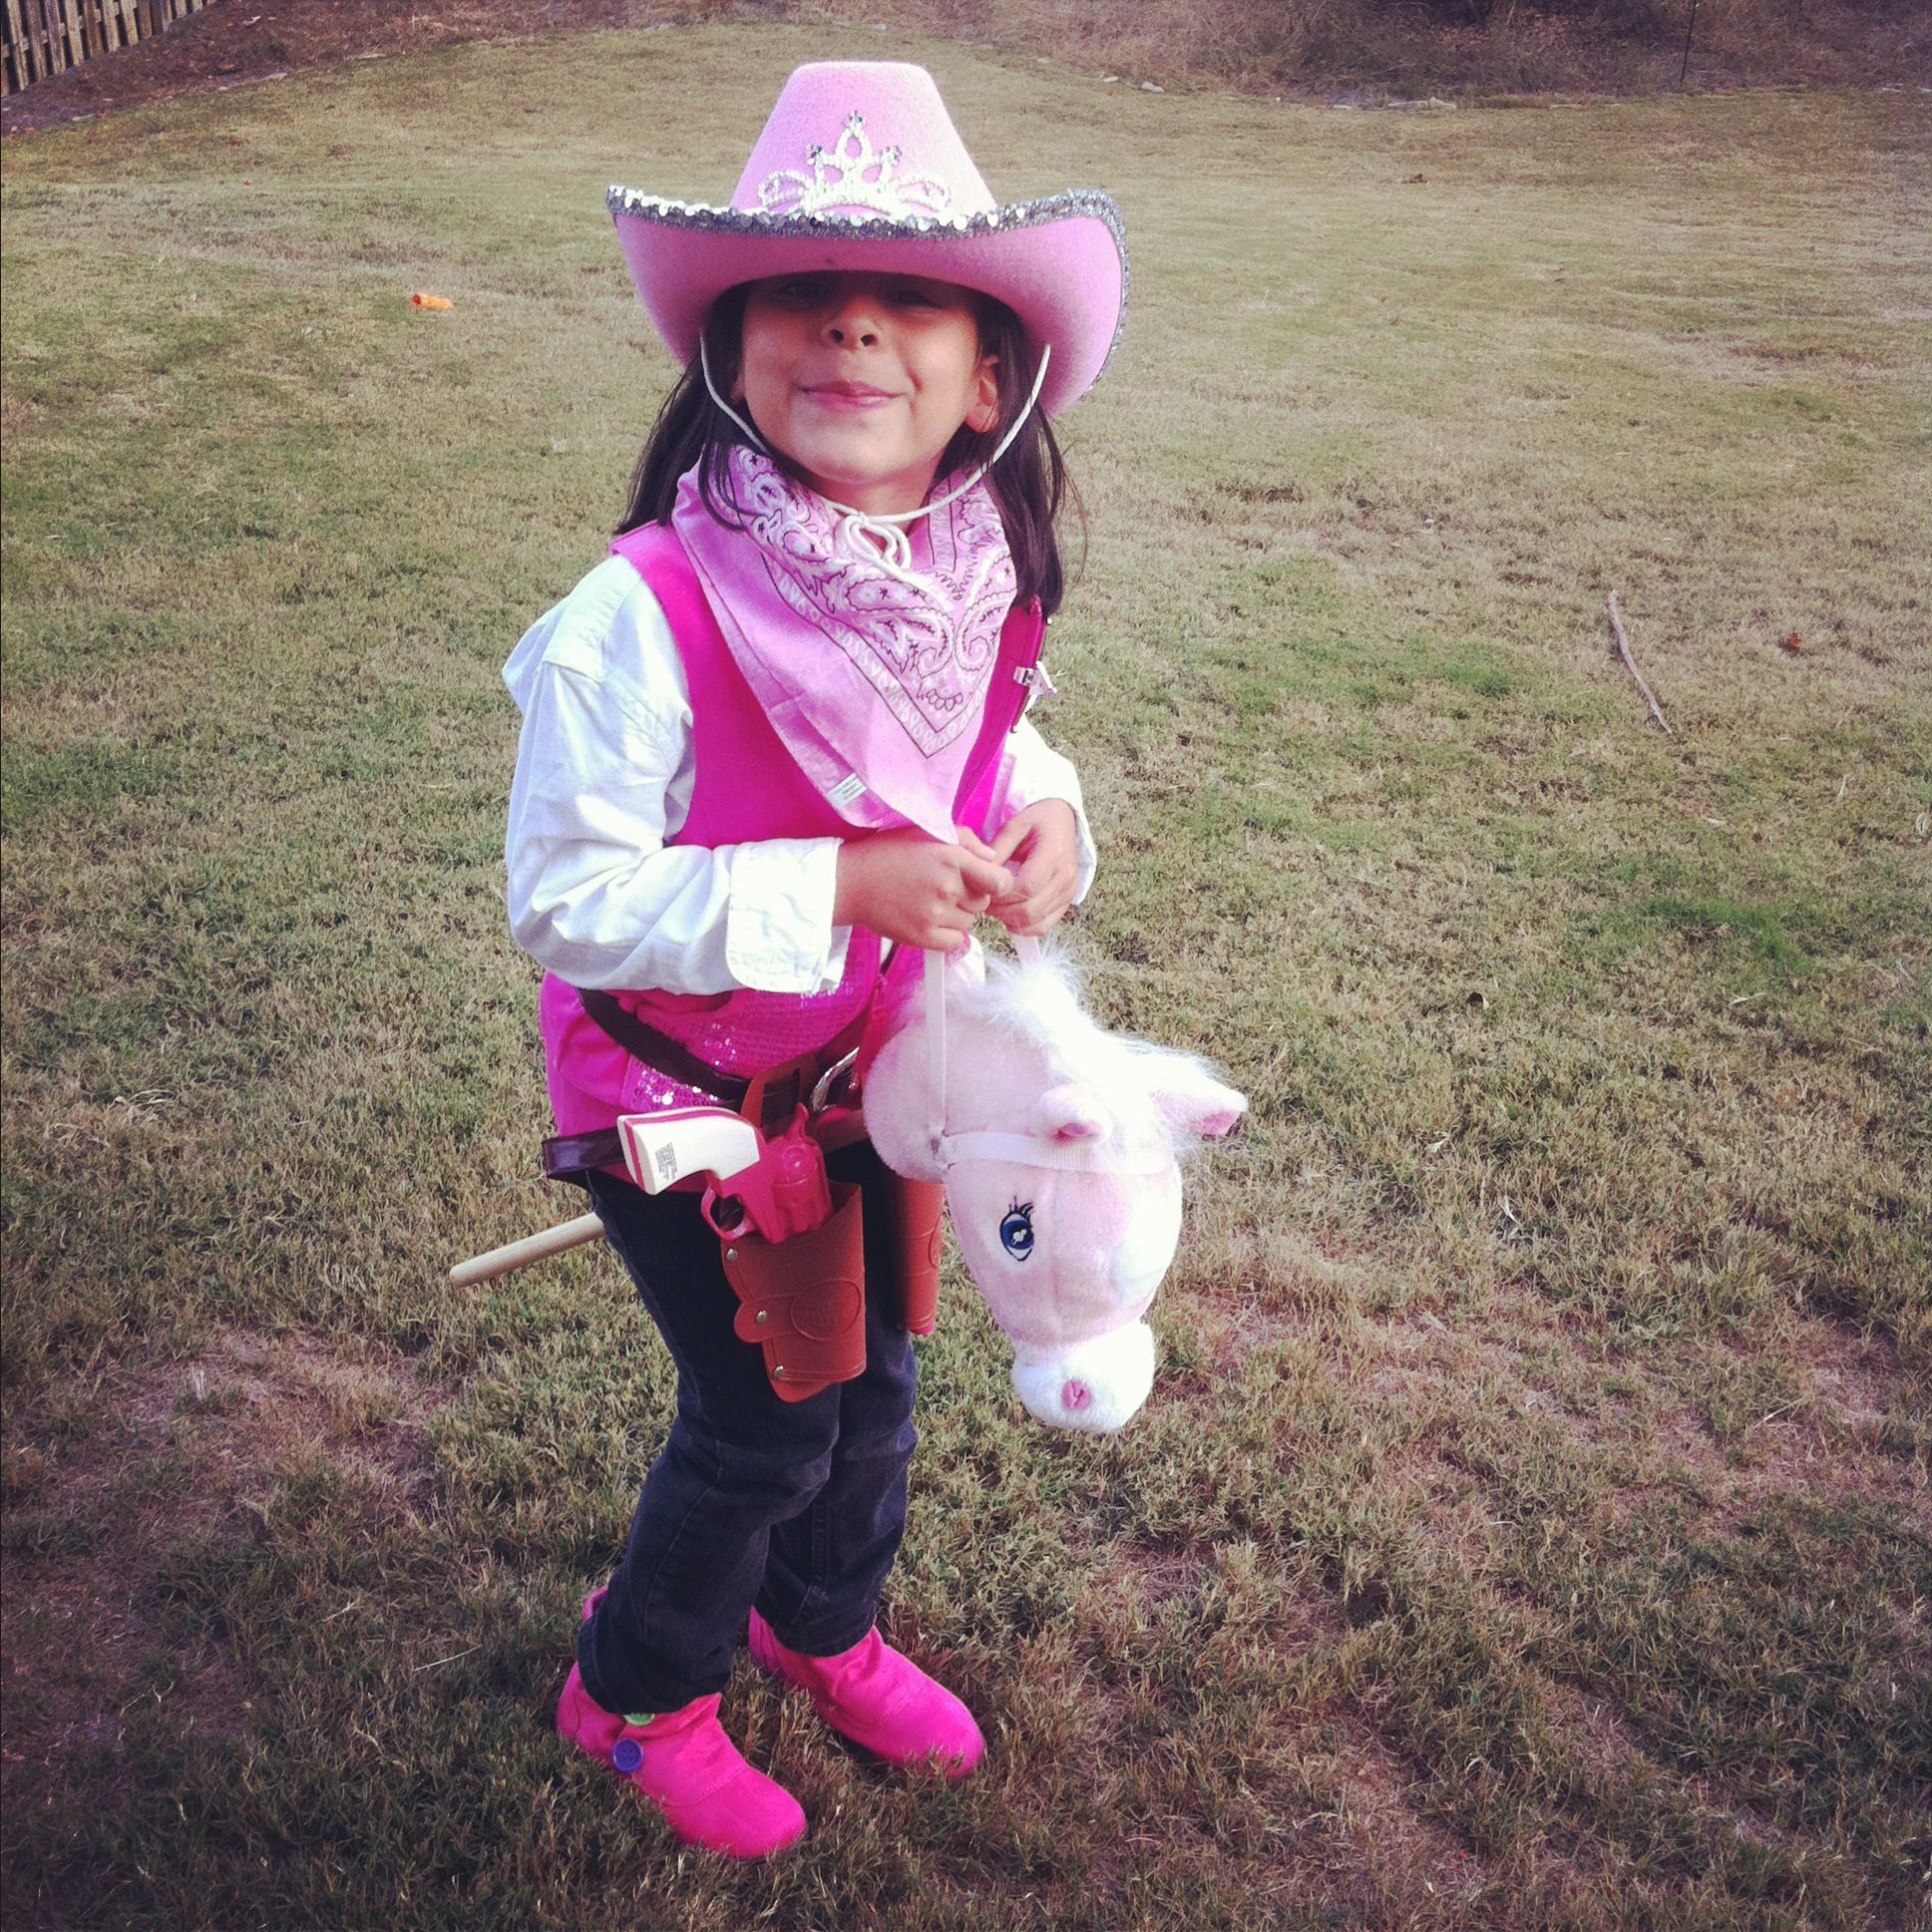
{"x": 861, "y": 166}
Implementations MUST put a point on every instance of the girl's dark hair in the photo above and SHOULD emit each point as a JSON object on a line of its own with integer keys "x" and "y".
{"x": 1029, "y": 483}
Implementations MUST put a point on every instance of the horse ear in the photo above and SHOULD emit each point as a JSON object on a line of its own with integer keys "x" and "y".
{"x": 1067, "y": 1112}
{"x": 1192, "y": 1100}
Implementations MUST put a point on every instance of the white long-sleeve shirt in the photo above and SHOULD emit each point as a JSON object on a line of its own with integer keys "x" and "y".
{"x": 604, "y": 771}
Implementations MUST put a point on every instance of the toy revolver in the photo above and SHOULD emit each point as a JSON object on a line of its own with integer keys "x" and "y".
{"x": 794, "y": 1247}
{"x": 794, "y": 1242}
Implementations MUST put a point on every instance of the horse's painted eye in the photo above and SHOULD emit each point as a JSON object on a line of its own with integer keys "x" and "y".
{"x": 1017, "y": 1230}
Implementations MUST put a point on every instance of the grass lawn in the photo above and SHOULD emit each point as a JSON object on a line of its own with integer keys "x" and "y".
{"x": 1531, "y": 1524}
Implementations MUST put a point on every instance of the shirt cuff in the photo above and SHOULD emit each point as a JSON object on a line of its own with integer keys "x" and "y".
{"x": 779, "y": 936}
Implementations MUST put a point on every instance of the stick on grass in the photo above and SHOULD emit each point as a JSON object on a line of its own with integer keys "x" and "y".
{"x": 1621, "y": 643}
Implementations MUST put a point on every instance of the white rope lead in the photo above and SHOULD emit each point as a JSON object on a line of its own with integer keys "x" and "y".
{"x": 935, "y": 1047}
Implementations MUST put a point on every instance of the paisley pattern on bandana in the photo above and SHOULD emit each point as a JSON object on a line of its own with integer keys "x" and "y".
{"x": 874, "y": 676}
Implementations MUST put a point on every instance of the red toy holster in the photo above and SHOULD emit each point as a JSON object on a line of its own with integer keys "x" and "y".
{"x": 794, "y": 1243}
{"x": 802, "y": 1299}
{"x": 916, "y": 1211}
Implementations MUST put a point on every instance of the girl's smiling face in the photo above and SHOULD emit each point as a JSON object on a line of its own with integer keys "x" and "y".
{"x": 861, "y": 379}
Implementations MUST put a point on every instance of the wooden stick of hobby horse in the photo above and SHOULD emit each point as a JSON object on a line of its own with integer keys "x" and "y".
{"x": 520, "y": 1254}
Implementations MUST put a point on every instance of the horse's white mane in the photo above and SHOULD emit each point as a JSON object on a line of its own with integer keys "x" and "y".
{"x": 1038, "y": 1002}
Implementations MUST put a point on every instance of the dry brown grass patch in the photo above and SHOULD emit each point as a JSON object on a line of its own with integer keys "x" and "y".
{"x": 1379, "y": 1810}
{"x": 162, "y": 1455}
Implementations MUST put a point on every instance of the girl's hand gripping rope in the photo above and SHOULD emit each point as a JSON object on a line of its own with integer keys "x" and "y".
{"x": 915, "y": 890}
{"x": 1045, "y": 839}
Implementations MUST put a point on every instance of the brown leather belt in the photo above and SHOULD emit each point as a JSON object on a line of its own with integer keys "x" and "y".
{"x": 567, "y": 1157}
{"x": 802, "y": 1299}
{"x": 660, "y": 1050}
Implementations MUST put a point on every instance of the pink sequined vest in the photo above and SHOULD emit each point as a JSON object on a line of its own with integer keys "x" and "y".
{"x": 746, "y": 786}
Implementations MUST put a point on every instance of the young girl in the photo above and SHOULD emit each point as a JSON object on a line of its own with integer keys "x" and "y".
{"x": 779, "y": 726}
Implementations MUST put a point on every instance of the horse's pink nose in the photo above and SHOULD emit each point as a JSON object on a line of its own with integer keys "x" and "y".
{"x": 1075, "y": 1395}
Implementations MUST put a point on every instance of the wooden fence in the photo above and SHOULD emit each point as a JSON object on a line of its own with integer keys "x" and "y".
{"x": 46, "y": 37}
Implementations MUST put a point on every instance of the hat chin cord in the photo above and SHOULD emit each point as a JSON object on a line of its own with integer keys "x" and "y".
{"x": 880, "y": 539}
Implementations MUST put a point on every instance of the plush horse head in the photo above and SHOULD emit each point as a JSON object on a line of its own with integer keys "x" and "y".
{"x": 1058, "y": 1144}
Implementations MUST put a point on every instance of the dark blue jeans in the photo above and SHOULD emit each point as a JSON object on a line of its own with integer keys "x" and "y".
{"x": 797, "y": 1507}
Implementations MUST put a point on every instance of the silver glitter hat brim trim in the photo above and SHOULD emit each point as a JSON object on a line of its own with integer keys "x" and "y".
{"x": 1074, "y": 204}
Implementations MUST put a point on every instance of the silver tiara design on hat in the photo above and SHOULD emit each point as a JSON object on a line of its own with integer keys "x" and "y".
{"x": 895, "y": 192}
{"x": 850, "y": 175}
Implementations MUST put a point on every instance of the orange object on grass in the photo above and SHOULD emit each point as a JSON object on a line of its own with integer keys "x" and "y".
{"x": 420, "y": 300}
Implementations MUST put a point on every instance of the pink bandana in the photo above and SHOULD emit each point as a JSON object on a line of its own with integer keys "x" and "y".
{"x": 874, "y": 676}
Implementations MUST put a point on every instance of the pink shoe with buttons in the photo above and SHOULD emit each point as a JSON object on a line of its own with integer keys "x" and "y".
{"x": 879, "y": 1697}
{"x": 682, "y": 1762}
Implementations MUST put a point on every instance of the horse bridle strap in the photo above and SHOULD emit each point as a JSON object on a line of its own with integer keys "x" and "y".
{"x": 1086, "y": 1156}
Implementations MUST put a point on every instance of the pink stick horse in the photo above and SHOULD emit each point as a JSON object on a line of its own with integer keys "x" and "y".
{"x": 1058, "y": 1144}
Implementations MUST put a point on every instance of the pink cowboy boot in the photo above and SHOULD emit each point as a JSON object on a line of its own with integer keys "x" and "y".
{"x": 880, "y": 1699}
{"x": 682, "y": 1762}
